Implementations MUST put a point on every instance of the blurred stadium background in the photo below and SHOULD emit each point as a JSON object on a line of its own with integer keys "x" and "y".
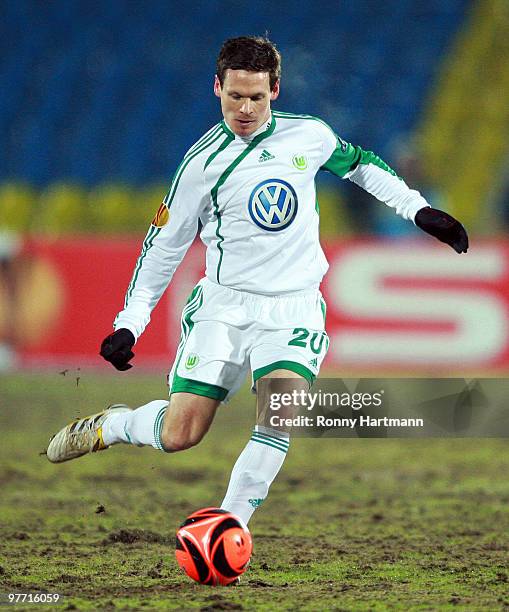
{"x": 99, "y": 101}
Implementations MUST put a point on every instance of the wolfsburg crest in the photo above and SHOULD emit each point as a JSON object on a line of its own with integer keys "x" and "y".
{"x": 191, "y": 361}
{"x": 300, "y": 161}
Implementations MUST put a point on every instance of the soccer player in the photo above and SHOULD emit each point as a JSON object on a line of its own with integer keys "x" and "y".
{"x": 250, "y": 182}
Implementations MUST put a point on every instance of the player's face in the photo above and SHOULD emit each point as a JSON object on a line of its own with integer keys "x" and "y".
{"x": 245, "y": 99}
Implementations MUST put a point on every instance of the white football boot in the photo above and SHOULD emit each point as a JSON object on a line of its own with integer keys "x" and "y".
{"x": 81, "y": 437}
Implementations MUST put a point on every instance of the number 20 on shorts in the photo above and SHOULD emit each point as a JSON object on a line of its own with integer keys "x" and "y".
{"x": 303, "y": 337}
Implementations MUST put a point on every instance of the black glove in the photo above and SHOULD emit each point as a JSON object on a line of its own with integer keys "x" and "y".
{"x": 116, "y": 348}
{"x": 444, "y": 227}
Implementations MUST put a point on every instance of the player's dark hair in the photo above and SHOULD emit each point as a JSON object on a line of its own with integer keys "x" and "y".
{"x": 252, "y": 53}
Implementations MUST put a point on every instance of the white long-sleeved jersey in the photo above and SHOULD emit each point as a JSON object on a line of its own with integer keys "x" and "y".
{"x": 256, "y": 200}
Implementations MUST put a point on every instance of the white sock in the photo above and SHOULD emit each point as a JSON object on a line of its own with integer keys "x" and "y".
{"x": 141, "y": 427}
{"x": 254, "y": 471}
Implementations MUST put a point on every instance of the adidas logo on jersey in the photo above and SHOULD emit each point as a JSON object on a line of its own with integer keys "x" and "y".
{"x": 265, "y": 156}
{"x": 314, "y": 362}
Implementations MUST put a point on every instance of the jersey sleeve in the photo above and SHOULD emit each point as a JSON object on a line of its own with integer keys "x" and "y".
{"x": 170, "y": 234}
{"x": 367, "y": 170}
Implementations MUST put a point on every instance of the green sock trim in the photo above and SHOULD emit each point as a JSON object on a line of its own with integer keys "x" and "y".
{"x": 282, "y": 440}
{"x": 158, "y": 425}
{"x": 270, "y": 443}
{"x": 278, "y": 443}
{"x": 127, "y": 434}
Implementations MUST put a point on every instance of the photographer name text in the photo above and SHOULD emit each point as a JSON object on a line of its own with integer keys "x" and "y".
{"x": 340, "y": 422}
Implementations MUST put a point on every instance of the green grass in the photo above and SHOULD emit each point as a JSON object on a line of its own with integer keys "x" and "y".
{"x": 349, "y": 524}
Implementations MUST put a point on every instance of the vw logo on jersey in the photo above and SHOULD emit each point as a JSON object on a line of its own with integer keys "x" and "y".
{"x": 273, "y": 205}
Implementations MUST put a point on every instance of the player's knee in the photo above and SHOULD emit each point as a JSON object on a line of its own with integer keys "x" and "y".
{"x": 174, "y": 443}
{"x": 179, "y": 440}
{"x": 186, "y": 421}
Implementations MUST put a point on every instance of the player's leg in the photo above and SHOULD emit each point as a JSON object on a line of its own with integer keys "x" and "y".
{"x": 171, "y": 426}
{"x": 186, "y": 421}
{"x": 264, "y": 454}
{"x": 205, "y": 369}
{"x": 295, "y": 352}
{"x": 82, "y": 436}
{"x": 210, "y": 366}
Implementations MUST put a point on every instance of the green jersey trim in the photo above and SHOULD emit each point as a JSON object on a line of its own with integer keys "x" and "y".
{"x": 223, "y": 146}
{"x": 222, "y": 179}
{"x": 346, "y": 158}
{"x": 194, "y": 302}
{"x": 227, "y": 129}
{"x": 323, "y": 306}
{"x": 185, "y": 162}
{"x": 211, "y": 133}
{"x": 368, "y": 157}
{"x": 147, "y": 245}
{"x": 341, "y": 159}
{"x": 283, "y": 115}
{"x": 204, "y": 143}
{"x": 293, "y": 366}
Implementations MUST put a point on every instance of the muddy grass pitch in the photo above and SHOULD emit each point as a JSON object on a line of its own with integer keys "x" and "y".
{"x": 348, "y": 525}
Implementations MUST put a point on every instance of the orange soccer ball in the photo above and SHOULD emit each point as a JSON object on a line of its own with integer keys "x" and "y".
{"x": 213, "y": 546}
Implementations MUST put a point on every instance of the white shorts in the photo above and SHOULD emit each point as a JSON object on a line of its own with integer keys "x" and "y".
{"x": 226, "y": 333}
